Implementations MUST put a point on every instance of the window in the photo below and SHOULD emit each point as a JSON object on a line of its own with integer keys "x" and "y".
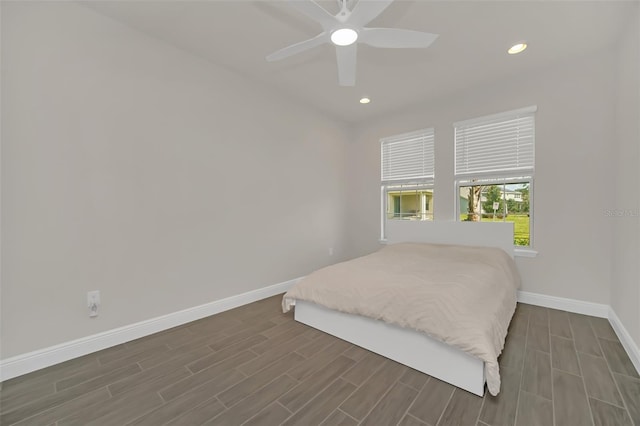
{"x": 494, "y": 170}
{"x": 407, "y": 176}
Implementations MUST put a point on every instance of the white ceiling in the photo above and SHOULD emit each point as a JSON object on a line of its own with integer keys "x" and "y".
{"x": 470, "y": 51}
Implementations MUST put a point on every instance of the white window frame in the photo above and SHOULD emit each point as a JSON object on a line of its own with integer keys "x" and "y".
{"x": 416, "y": 183}
{"x": 499, "y": 177}
{"x": 461, "y": 183}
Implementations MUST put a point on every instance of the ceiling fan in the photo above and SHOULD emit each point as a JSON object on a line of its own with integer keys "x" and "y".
{"x": 346, "y": 29}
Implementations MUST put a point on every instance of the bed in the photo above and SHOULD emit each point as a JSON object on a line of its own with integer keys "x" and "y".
{"x": 446, "y": 320}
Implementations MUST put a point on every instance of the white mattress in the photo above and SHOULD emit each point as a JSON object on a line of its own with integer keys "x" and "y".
{"x": 463, "y": 296}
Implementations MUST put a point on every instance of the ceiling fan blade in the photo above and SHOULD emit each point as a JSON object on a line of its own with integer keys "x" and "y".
{"x": 314, "y": 11}
{"x": 366, "y": 10}
{"x": 395, "y": 38}
{"x": 346, "y": 64}
{"x": 298, "y": 47}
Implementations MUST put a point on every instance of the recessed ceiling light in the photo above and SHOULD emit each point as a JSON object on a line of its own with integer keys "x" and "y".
{"x": 365, "y": 100}
{"x": 517, "y": 48}
{"x": 344, "y": 37}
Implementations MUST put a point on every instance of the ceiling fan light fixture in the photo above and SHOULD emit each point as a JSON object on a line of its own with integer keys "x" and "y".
{"x": 365, "y": 100}
{"x": 348, "y": 27}
{"x": 517, "y": 48}
{"x": 344, "y": 37}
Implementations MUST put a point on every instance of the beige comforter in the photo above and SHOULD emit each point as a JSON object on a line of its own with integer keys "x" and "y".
{"x": 463, "y": 296}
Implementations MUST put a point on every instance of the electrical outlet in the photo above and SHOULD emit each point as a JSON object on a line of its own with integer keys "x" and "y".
{"x": 93, "y": 302}
{"x": 330, "y": 251}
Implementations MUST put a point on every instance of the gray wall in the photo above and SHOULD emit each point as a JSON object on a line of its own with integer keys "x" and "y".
{"x": 159, "y": 179}
{"x": 587, "y": 169}
{"x": 575, "y": 129}
{"x": 167, "y": 182}
{"x": 625, "y": 284}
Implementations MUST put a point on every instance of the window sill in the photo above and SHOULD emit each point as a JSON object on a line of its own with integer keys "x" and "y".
{"x": 518, "y": 252}
{"x": 525, "y": 252}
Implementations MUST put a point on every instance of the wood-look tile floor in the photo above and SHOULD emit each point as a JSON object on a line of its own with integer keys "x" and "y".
{"x": 256, "y": 366}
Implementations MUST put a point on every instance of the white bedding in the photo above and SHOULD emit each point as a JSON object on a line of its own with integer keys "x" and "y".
{"x": 463, "y": 296}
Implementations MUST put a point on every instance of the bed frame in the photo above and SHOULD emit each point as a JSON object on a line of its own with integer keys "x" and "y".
{"x": 410, "y": 347}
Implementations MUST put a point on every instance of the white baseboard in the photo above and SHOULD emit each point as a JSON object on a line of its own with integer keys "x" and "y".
{"x": 570, "y": 305}
{"x": 36, "y": 360}
{"x": 587, "y": 308}
{"x": 625, "y": 338}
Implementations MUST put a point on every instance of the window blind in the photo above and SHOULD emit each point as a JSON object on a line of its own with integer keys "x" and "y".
{"x": 408, "y": 158}
{"x": 496, "y": 144}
